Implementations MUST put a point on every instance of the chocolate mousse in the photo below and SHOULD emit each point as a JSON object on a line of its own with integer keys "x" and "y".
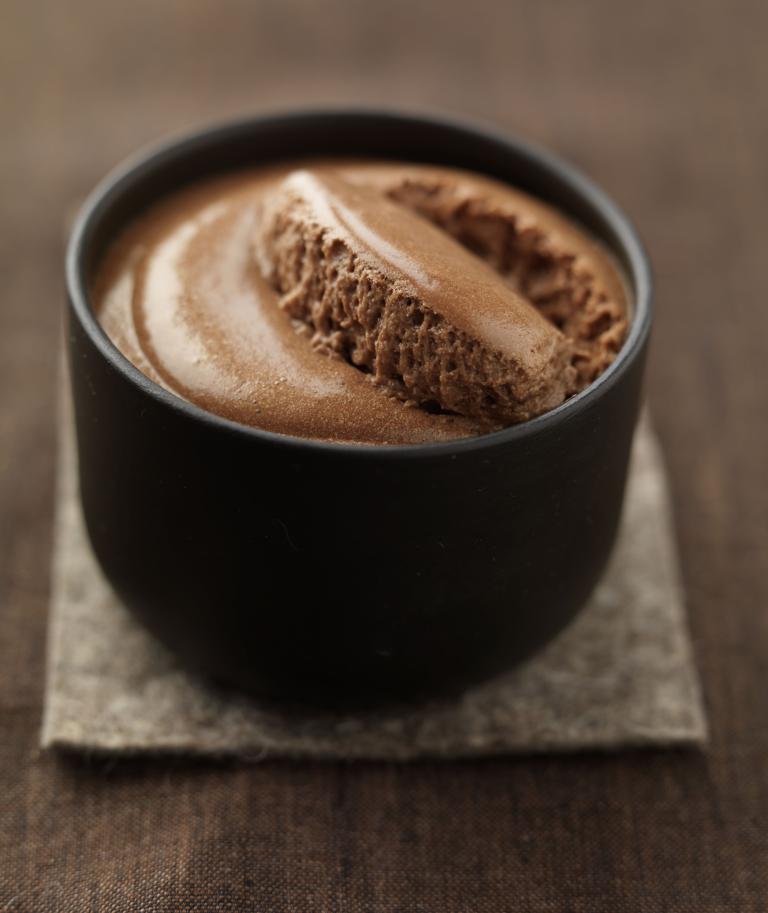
{"x": 363, "y": 302}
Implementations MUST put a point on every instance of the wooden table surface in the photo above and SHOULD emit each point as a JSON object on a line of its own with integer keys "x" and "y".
{"x": 664, "y": 104}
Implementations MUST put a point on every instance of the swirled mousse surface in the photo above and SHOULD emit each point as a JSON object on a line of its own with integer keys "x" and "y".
{"x": 362, "y": 301}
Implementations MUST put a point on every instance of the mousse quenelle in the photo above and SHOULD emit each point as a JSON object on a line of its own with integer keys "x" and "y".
{"x": 363, "y": 302}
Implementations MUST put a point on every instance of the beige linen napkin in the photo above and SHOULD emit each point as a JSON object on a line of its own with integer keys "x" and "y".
{"x": 620, "y": 676}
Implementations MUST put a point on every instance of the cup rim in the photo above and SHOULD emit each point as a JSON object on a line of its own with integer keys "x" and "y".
{"x": 118, "y": 181}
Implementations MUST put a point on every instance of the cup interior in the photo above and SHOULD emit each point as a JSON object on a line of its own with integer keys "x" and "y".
{"x": 163, "y": 170}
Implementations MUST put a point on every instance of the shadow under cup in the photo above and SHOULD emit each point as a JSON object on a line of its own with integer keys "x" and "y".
{"x": 340, "y": 574}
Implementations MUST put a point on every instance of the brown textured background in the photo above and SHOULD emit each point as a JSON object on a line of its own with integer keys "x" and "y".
{"x": 661, "y": 101}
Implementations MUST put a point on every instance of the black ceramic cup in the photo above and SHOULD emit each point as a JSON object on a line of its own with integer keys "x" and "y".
{"x": 342, "y": 574}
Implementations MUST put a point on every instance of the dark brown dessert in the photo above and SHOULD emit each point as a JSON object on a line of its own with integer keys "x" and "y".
{"x": 387, "y": 291}
{"x": 363, "y": 302}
